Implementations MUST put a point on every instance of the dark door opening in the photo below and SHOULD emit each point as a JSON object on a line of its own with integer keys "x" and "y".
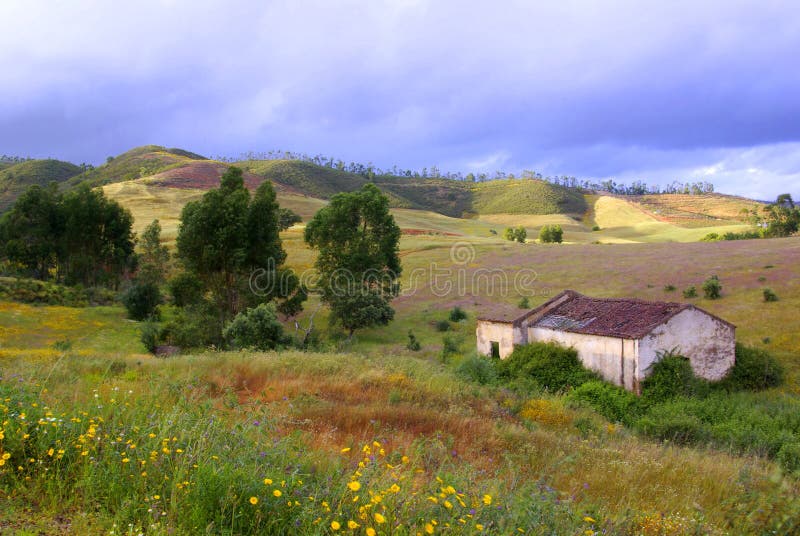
{"x": 495, "y": 349}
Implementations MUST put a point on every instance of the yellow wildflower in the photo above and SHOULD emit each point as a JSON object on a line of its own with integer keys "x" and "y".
{"x": 355, "y": 485}
{"x": 379, "y": 518}
{"x": 253, "y": 500}
{"x": 370, "y": 531}
{"x": 277, "y": 492}
{"x": 428, "y": 528}
{"x": 335, "y": 525}
{"x": 352, "y": 525}
{"x": 487, "y": 500}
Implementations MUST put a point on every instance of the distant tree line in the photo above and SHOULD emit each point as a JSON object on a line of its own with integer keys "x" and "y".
{"x": 371, "y": 172}
{"x": 11, "y": 159}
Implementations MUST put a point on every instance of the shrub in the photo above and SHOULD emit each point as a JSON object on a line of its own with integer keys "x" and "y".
{"x": 669, "y": 288}
{"x": 789, "y": 456}
{"x": 614, "y": 403}
{"x": 754, "y": 370}
{"x": 413, "y": 343}
{"x": 595, "y": 228}
{"x": 142, "y": 300}
{"x": 552, "y": 366}
{"x": 194, "y": 326}
{"x": 442, "y": 325}
{"x": 519, "y": 234}
{"x": 671, "y": 376}
{"x": 524, "y": 303}
{"x": 451, "y": 345}
{"x": 478, "y": 369}
{"x": 457, "y": 314}
{"x": 185, "y": 289}
{"x": 149, "y": 335}
{"x": 257, "y": 328}
{"x": 711, "y": 237}
{"x": 551, "y": 234}
{"x": 769, "y": 295}
{"x": 666, "y": 424}
{"x": 690, "y": 292}
{"x": 712, "y": 288}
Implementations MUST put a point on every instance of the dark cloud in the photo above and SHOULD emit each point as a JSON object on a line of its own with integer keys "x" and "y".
{"x": 657, "y": 92}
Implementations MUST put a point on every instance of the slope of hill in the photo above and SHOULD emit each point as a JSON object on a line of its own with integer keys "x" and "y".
{"x": 136, "y": 163}
{"x": 694, "y": 210}
{"x": 15, "y": 179}
{"x": 448, "y": 197}
{"x": 526, "y": 196}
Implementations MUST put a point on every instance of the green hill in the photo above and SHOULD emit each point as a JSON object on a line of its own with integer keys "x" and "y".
{"x": 136, "y": 163}
{"x": 526, "y": 196}
{"x": 15, "y": 179}
{"x": 448, "y": 197}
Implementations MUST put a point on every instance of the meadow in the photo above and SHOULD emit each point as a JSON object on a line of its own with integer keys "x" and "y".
{"x": 367, "y": 436}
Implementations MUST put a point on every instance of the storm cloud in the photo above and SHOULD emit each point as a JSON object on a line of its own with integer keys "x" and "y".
{"x": 630, "y": 90}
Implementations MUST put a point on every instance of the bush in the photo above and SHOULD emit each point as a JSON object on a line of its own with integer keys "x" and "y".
{"x": 551, "y": 234}
{"x": 671, "y": 376}
{"x": 553, "y": 367}
{"x": 457, "y": 314}
{"x": 754, "y": 370}
{"x": 789, "y": 456}
{"x": 142, "y": 300}
{"x": 524, "y": 303}
{"x": 185, "y": 289}
{"x": 257, "y": 328}
{"x": 614, "y": 403}
{"x": 690, "y": 292}
{"x": 413, "y": 343}
{"x": 451, "y": 345}
{"x": 149, "y": 335}
{"x": 519, "y": 234}
{"x": 669, "y": 288}
{"x": 478, "y": 369}
{"x": 712, "y": 288}
{"x": 442, "y": 325}
{"x": 595, "y": 228}
{"x": 194, "y": 326}
{"x": 668, "y": 425}
{"x": 769, "y": 295}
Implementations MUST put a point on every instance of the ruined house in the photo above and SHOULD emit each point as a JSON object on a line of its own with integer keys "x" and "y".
{"x": 620, "y": 339}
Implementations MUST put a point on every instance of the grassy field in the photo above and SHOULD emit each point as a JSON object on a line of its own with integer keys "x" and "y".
{"x": 695, "y": 211}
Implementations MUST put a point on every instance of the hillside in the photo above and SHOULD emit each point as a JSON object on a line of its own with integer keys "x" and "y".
{"x": 134, "y": 164}
{"x": 15, "y": 179}
{"x": 694, "y": 210}
{"x": 526, "y": 196}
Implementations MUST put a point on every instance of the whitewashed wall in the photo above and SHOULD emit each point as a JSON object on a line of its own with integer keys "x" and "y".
{"x": 614, "y": 359}
{"x": 505, "y": 334}
{"x": 708, "y": 343}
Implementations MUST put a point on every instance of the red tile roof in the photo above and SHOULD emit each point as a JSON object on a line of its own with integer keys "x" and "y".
{"x": 609, "y": 317}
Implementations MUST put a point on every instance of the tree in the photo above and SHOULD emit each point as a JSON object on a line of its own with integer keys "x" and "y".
{"x": 154, "y": 256}
{"x": 518, "y": 234}
{"x": 257, "y": 328}
{"x": 551, "y": 234}
{"x": 30, "y": 232}
{"x": 98, "y": 238}
{"x": 226, "y": 238}
{"x": 712, "y": 288}
{"x": 287, "y": 217}
{"x": 358, "y": 262}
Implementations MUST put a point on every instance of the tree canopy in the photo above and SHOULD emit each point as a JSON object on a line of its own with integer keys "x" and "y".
{"x": 358, "y": 263}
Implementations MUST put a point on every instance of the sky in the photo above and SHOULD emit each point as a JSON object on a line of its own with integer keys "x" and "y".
{"x": 652, "y": 91}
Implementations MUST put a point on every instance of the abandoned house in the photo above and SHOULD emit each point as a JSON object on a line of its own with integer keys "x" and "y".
{"x": 620, "y": 339}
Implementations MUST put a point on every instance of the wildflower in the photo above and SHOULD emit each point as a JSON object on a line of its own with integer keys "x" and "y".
{"x": 125, "y": 460}
{"x": 379, "y": 518}
{"x": 478, "y": 526}
{"x": 352, "y": 525}
{"x": 428, "y": 528}
{"x": 395, "y": 488}
{"x": 253, "y": 500}
{"x": 50, "y": 452}
{"x": 448, "y": 504}
{"x": 335, "y": 525}
{"x": 589, "y": 519}
{"x": 487, "y": 500}
{"x": 267, "y": 481}
{"x": 370, "y": 531}
{"x": 355, "y": 485}
{"x": 277, "y": 492}
{"x": 404, "y": 459}
{"x": 345, "y": 450}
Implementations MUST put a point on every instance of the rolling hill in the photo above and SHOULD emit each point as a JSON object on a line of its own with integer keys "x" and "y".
{"x": 16, "y": 178}
{"x": 134, "y": 164}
